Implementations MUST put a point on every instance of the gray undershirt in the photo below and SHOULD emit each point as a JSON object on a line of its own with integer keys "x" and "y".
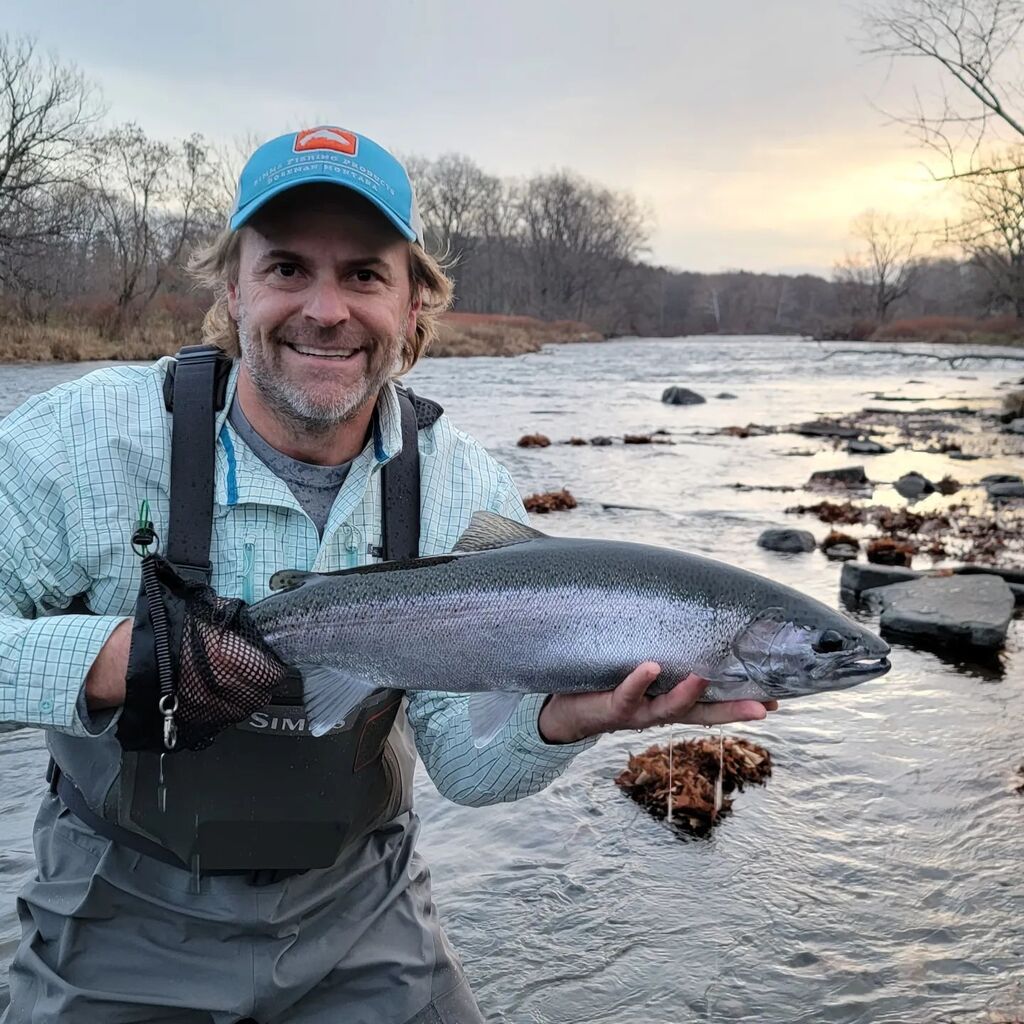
{"x": 315, "y": 487}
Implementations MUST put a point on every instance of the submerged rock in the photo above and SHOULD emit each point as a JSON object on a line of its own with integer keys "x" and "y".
{"x": 724, "y": 394}
{"x": 848, "y": 476}
{"x": 1009, "y": 489}
{"x": 787, "y": 540}
{"x": 826, "y": 428}
{"x": 1015, "y": 426}
{"x": 840, "y": 547}
{"x": 636, "y": 438}
{"x": 695, "y": 769}
{"x": 972, "y": 610}
{"x": 600, "y": 442}
{"x": 868, "y": 447}
{"x": 886, "y": 551}
{"x": 681, "y": 396}
{"x": 914, "y": 485}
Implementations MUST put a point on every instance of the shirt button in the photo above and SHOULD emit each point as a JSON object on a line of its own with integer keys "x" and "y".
{"x": 46, "y": 705}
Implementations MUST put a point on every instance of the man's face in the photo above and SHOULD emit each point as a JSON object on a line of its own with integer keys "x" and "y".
{"x": 323, "y": 303}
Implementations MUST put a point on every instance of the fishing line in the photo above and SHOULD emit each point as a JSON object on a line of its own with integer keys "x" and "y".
{"x": 668, "y": 797}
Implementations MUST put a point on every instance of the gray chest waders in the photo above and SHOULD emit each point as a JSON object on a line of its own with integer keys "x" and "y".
{"x": 264, "y": 798}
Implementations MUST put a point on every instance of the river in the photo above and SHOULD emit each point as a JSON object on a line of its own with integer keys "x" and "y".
{"x": 876, "y": 877}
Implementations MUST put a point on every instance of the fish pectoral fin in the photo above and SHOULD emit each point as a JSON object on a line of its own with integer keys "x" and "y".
{"x": 330, "y": 695}
{"x": 285, "y": 579}
{"x": 488, "y": 713}
{"x": 488, "y": 530}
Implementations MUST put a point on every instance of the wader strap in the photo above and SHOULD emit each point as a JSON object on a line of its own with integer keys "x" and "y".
{"x": 194, "y": 401}
{"x": 400, "y": 490}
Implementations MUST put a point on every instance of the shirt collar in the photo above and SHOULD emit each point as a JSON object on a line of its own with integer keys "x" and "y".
{"x": 242, "y": 477}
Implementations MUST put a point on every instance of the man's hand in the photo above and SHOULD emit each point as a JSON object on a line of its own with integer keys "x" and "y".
{"x": 567, "y": 717}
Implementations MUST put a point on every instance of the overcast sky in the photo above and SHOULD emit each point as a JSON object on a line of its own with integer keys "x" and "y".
{"x": 751, "y": 128}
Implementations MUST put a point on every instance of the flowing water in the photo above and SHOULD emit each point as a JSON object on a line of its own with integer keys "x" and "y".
{"x": 877, "y": 877}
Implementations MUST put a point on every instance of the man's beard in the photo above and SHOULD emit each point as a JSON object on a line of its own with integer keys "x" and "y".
{"x": 295, "y": 406}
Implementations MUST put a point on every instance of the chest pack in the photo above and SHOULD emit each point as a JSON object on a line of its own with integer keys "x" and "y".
{"x": 266, "y": 797}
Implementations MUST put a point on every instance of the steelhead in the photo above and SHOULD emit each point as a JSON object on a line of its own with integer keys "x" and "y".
{"x": 513, "y": 611}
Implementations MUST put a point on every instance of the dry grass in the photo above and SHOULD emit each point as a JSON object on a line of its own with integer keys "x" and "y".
{"x": 462, "y": 334}
{"x": 479, "y": 334}
{"x": 953, "y": 330}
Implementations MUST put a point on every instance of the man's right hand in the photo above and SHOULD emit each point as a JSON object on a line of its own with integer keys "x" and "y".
{"x": 105, "y": 681}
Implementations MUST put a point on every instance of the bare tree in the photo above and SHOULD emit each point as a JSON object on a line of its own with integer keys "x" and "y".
{"x": 151, "y": 198}
{"x": 46, "y": 111}
{"x": 885, "y": 268}
{"x": 992, "y": 231}
{"x": 975, "y": 45}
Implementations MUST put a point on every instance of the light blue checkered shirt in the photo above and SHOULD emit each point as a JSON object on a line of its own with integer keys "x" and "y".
{"x": 75, "y": 463}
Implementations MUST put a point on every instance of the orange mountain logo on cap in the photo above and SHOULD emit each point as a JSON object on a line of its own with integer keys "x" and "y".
{"x": 326, "y": 137}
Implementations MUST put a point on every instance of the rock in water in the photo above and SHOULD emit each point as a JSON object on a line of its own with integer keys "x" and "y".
{"x": 858, "y": 576}
{"x": 972, "y": 610}
{"x": 1010, "y": 489}
{"x": 914, "y": 485}
{"x": 785, "y": 539}
{"x": 681, "y": 396}
{"x": 848, "y": 476}
{"x": 868, "y": 447}
{"x": 725, "y": 394}
{"x": 840, "y": 547}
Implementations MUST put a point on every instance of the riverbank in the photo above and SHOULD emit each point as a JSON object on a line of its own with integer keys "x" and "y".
{"x": 462, "y": 334}
{"x": 933, "y": 330}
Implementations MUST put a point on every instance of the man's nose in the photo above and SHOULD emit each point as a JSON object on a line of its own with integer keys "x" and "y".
{"x": 326, "y": 305}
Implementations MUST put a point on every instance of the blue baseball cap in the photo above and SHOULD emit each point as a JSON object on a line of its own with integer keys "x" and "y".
{"x": 334, "y": 155}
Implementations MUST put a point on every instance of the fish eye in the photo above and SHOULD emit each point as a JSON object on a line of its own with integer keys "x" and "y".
{"x": 829, "y": 642}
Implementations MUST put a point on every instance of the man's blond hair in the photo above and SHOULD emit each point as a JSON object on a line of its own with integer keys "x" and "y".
{"x": 215, "y": 266}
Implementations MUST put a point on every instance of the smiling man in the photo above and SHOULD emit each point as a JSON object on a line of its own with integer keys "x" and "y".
{"x": 200, "y": 856}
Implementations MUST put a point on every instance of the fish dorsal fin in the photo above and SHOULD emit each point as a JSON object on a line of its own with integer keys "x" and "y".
{"x": 488, "y": 530}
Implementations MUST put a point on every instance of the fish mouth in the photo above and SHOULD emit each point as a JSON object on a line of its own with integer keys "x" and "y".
{"x": 863, "y": 667}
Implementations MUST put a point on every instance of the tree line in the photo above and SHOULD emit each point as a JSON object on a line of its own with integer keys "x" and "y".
{"x": 96, "y": 220}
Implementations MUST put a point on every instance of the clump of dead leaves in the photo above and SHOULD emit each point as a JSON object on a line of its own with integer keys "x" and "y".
{"x": 695, "y": 770}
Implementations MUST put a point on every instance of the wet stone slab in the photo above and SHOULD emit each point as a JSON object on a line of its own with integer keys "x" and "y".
{"x": 951, "y": 610}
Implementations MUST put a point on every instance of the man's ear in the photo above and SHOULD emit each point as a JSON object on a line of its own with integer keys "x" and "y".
{"x": 232, "y": 293}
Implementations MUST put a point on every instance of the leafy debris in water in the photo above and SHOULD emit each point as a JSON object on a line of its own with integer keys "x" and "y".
{"x": 550, "y": 501}
{"x": 695, "y": 766}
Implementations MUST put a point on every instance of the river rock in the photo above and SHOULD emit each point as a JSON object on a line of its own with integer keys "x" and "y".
{"x": 840, "y": 547}
{"x": 724, "y": 394}
{"x": 786, "y": 539}
{"x": 848, "y": 476}
{"x": 1009, "y": 489}
{"x": 972, "y": 610}
{"x": 826, "y": 428}
{"x": 859, "y": 576}
{"x": 868, "y": 447}
{"x": 1000, "y": 478}
{"x": 1015, "y": 426}
{"x": 914, "y": 485}
{"x": 681, "y": 396}
{"x": 600, "y": 442}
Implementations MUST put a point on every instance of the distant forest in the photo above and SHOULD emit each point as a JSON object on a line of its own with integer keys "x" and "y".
{"x": 97, "y": 221}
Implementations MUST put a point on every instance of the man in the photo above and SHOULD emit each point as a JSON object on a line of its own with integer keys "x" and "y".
{"x": 155, "y": 900}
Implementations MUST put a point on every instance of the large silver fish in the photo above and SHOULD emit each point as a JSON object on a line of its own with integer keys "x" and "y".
{"x": 512, "y": 611}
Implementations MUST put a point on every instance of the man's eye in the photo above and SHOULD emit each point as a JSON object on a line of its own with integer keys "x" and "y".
{"x": 285, "y": 269}
{"x": 365, "y": 276}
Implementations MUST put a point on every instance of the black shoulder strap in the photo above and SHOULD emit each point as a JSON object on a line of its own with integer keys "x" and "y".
{"x": 400, "y": 480}
{"x": 194, "y": 391}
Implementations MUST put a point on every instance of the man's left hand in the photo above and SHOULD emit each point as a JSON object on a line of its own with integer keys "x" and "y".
{"x": 567, "y": 717}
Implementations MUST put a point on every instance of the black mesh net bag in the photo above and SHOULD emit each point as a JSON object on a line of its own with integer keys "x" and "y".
{"x": 196, "y": 654}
